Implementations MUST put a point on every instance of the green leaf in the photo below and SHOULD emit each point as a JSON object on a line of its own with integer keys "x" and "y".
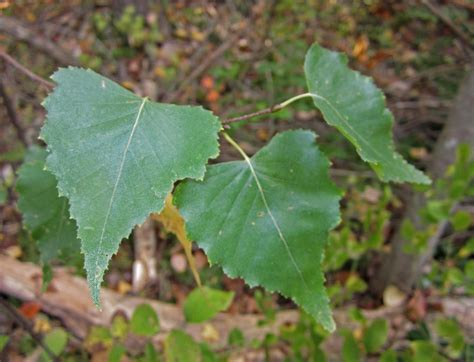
{"x": 356, "y": 107}
{"x": 449, "y": 330}
{"x": 375, "y": 335}
{"x": 180, "y": 347}
{"x": 207, "y": 354}
{"x": 98, "y": 338}
{"x": 236, "y": 337}
{"x": 350, "y": 348}
{"x": 150, "y": 354}
{"x": 116, "y": 353}
{"x": 469, "y": 269}
{"x": 461, "y": 220}
{"x": 389, "y": 356}
{"x": 119, "y": 327}
{"x": 424, "y": 351}
{"x": 51, "y": 226}
{"x": 355, "y": 284}
{"x": 56, "y": 341}
{"x": 144, "y": 321}
{"x": 356, "y": 315}
{"x": 271, "y": 215}
{"x": 455, "y": 276}
{"x": 467, "y": 249}
{"x": 3, "y": 341}
{"x": 116, "y": 157}
{"x": 3, "y": 193}
{"x": 204, "y": 303}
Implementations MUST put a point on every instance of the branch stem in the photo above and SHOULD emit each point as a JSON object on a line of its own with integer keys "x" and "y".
{"x": 273, "y": 109}
{"x": 23, "y": 323}
{"x": 12, "y": 115}
{"x": 48, "y": 85}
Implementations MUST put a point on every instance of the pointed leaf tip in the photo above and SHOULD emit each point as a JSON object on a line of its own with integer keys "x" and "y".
{"x": 270, "y": 216}
{"x": 116, "y": 156}
{"x": 353, "y": 104}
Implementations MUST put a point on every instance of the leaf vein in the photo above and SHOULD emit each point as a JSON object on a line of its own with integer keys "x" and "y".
{"x": 119, "y": 175}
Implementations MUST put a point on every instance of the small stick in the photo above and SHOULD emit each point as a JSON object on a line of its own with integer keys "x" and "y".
{"x": 15, "y": 121}
{"x": 26, "y": 326}
{"x": 48, "y": 85}
{"x": 272, "y": 109}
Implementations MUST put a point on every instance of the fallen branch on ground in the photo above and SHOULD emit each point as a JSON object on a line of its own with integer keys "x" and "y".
{"x": 68, "y": 299}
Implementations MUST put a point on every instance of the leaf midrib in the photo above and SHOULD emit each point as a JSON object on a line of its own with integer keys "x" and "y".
{"x": 119, "y": 175}
{"x": 381, "y": 156}
{"x": 274, "y": 221}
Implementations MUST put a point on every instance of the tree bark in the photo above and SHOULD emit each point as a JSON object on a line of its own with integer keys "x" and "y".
{"x": 404, "y": 270}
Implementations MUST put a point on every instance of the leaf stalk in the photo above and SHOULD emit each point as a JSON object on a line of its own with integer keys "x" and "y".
{"x": 273, "y": 109}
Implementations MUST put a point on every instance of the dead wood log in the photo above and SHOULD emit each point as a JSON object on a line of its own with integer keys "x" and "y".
{"x": 68, "y": 299}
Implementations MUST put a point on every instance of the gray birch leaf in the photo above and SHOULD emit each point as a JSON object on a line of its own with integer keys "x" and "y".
{"x": 116, "y": 156}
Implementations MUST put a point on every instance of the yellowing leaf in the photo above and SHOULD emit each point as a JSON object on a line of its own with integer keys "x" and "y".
{"x": 210, "y": 333}
{"x": 393, "y": 297}
{"x": 14, "y": 251}
{"x": 360, "y": 48}
{"x": 123, "y": 287}
{"x": 172, "y": 220}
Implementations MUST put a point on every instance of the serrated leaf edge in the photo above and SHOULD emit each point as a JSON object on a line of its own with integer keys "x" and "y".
{"x": 94, "y": 283}
{"x": 378, "y": 167}
{"x": 328, "y": 324}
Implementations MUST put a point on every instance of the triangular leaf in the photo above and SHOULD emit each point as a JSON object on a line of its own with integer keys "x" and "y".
{"x": 45, "y": 214}
{"x": 266, "y": 219}
{"x": 356, "y": 107}
{"x": 116, "y": 157}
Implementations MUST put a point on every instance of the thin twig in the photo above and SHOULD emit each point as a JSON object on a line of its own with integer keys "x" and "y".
{"x": 48, "y": 85}
{"x": 272, "y": 109}
{"x": 12, "y": 115}
{"x": 27, "y": 327}
{"x": 22, "y": 31}
{"x": 449, "y": 23}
